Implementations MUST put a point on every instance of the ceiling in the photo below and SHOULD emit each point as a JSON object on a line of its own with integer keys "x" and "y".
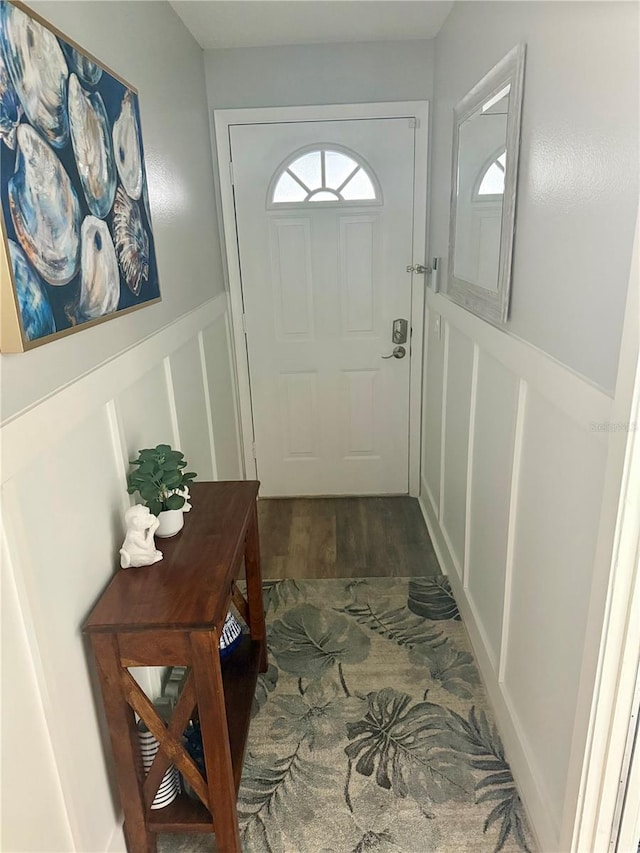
{"x": 258, "y": 23}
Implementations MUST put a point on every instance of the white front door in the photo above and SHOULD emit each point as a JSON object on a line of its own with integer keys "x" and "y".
{"x": 324, "y": 216}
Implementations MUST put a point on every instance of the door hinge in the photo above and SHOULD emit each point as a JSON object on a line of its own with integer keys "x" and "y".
{"x": 253, "y": 450}
{"x": 414, "y": 123}
{"x": 231, "y": 172}
{"x": 244, "y": 323}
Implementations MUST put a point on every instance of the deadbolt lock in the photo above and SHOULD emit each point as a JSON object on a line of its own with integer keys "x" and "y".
{"x": 400, "y": 331}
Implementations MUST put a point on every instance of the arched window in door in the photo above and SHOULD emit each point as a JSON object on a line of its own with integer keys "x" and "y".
{"x": 490, "y": 183}
{"x": 324, "y": 174}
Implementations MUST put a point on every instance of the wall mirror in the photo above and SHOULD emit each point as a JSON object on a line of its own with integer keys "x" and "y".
{"x": 486, "y": 141}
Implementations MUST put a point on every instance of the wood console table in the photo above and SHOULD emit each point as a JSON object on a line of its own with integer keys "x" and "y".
{"x": 172, "y": 613}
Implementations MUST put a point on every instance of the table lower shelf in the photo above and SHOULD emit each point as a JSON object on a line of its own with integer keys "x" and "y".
{"x": 239, "y": 674}
{"x": 184, "y": 814}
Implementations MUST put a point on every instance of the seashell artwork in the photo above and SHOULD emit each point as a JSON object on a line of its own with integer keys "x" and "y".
{"x": 92, "y": 147}
{"x": 99, "y": 275}
{"x": 126, "y": 148}
{"x": 86, "y": 69}
{"x": 36, "y": 313}
{"x": 132, "y": 241}
{"x": 44, "y": 209}
{"x": 74, "y": 202}
{"x": 145, "y": 201}
{"x": 10, "y": 109}
{"x": 38, "y": 70}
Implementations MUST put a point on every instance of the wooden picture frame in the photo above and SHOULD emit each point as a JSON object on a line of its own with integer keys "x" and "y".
{"x": 77, "y": 244}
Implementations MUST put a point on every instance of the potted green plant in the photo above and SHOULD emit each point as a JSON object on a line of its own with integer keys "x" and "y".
{"x": 163, "y": 485}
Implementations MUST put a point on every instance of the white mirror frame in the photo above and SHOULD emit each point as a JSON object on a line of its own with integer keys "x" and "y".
{"x": 491, "y": 305}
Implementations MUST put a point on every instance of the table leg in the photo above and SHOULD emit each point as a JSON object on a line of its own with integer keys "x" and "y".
{"x": 254, "y": 586}
{"x": 213, "y": 725}
{"x": 125, "y": 745}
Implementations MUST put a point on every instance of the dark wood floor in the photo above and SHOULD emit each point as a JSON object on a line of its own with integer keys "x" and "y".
{"x": 344, "y": 538}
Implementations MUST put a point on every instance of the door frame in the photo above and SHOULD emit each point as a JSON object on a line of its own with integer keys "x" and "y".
{"x": 223, "y": 120}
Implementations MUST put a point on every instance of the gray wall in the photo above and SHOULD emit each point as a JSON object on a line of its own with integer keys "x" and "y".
{"x": 578, "y": 182}
{"x": 319, "y": 74}
{"x": 578, "y": 179}
{"x": 147, "y": 44}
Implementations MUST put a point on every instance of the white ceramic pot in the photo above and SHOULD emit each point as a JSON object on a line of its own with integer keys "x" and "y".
{"x": 171, "y": 522}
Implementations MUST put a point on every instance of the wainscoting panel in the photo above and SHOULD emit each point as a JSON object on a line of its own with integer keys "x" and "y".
{"x": 217, "y": 356}
{"x": 490, "y": 493}
{"x": 24, "y": 712}
{"x": 191, "y": 408}
{"x": 529, "y": 502}
{"x": 432, "y": 409}
{"x": 144, "y": 409}
{"x": 560, "y": 490}
{"x": 63, "y": 535}
{"x": 455, "y": 438}
{"x": 63, "y": 501}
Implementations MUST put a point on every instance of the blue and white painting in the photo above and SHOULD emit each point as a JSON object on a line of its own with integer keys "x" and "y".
{"x": 73, "y": 185}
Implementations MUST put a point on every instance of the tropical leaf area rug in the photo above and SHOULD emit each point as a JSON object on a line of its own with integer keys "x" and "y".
{"x": 371, "y": 731}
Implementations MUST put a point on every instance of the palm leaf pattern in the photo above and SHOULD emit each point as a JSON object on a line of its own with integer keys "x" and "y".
{"x": 374, "y": 765}
{"x": 393, "y": 623}
{"x": 313, "y": 715}
{"x": 266, "y": 786}
{"x": 432, "y": 598}
{"x": 266, "y": 684}
{"x": 309, "y": 641}
{"x": 454, "y": 669}
{"x": 403, "y": 743}
{"x": 278, "y": 592}
{"x": 481, "y": 743}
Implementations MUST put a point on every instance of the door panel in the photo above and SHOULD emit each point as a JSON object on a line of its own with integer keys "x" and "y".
{"x": 358, "y": 282}
{"x": 299, "y": 409}
{"x": 292, "y": 279}
{"x": 322, "y": 283}
{"x": 360, "y": 412}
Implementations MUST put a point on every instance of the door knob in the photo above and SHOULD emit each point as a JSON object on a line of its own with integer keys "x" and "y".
{"x": 398, "y": 352}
